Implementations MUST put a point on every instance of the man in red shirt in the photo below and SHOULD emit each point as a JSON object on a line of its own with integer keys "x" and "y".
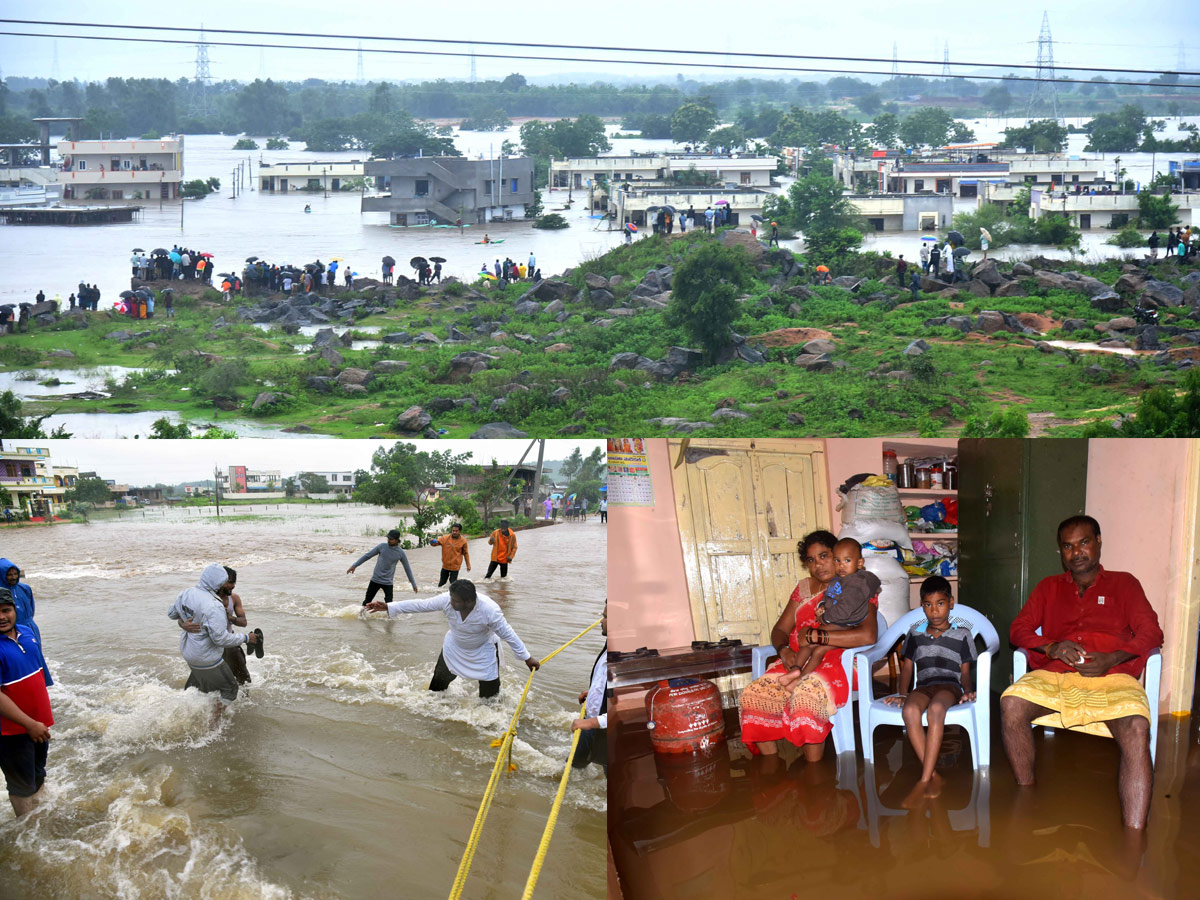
{"x": 1097, "y": 630}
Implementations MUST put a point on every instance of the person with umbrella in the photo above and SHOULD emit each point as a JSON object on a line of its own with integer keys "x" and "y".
{"x": 948, "y": 255}
{"x": 388, "y": 264}
{"x": 984, "y": 239}
{"x": 925, "y": 256}
{"x": 437, "y": 267}
{"x": 774, "y": 235}
{"x": 935, "y": 261}
{"x": 168, "y": 301}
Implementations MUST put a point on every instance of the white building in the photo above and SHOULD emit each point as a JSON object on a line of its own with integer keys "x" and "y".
{"x": 243, "y": 480}
{"x": 339, "y": 482}
{"x": 328, "y": 175}
{"x": 121, "y": 170}
{"x": 743, "y": 171}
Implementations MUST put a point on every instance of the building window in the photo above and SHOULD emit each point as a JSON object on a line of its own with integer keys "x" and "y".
{"x": 82, "y": 165}
{"x": 745, "y": 178}
{"x": 126, "y": 164}
{"x": 118, "y": 195}
{"x": 918, "y": 185}
{"x": 514, "y": 185}
{"x": 422, "y": 188}
{"x": 422, "y": 218}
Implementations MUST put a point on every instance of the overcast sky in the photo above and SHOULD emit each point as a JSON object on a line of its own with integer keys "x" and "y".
{"x": 1098, "y": 33}
{"x": 170, "y": 462}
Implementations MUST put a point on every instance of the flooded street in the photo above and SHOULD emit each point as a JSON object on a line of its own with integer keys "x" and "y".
{"x": 336, "y": 774}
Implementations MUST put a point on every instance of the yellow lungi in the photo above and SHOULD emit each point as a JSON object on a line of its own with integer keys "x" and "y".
{"x": 1080, "y": 703}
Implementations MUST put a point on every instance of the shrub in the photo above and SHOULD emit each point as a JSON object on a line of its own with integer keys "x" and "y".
{"x": 224, "y": 379}
{"x": 1127, "y": 237}
{"x": 550, "y": 221}
{"x": 276, "y": 143}
{"x": 1011, "y": 423}
{"x": 246, "y": 144}
{"x": 704, "y": 294}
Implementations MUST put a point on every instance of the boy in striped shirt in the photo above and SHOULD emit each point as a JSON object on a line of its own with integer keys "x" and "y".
{"x": 941, "y": 648}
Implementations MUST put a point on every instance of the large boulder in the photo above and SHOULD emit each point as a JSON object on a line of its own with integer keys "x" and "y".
{"x": 267, "y": 399}
{"x": 601, "y": 298}
{"x": 978, "y": 288}
{"x": 725, "y": 415}
{"x": 548, "y": 289}
{"x": 962, "y": 323}
{"x": 464, "y": 365}
{"x": 427, "y": 337}
{"x": 323, "y": 338}
{"x": 988, "y": 272}
{"x": 498, "y": 430}
{"x": 990, "y": 321}
{"x": 1109, "y": 301}
{"x": 815, "y": 362}
{"x": 683, "y": 359}
{"x": 527, "y": 308}
{"x": 819, "y": 346}
{"x": 354, "y": 376}
{"x": 1022, "y": 270}
{"x": 390, "y": 366}
{"x": 331, "y": 356}
{"x": 595, "y": 282}
{"x": 626, "y": 361}
{"x": 1070, "y": 325}
{"x": 1163, "y": 293}
{"x": 1130, "y": 283}
{"x": 398, "y": 337}
{"x": 554, "y": 307}
{"x": 413, "y": 420}
{"x": 932, "y": 285}
{"x": 559, "y": 396}
{"x": 1009, "y": 289}
{"x": 916, "y": 348}
{"x": 322, "y": 383}
{"x": 1053, "y": 281}
{"x": 846, "y": 281}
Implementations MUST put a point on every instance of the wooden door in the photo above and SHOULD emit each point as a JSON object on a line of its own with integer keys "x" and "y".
{"x": 742, "y": 505}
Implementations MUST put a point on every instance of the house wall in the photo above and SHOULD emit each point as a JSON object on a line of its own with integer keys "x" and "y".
{"x": 1142, "y": 494}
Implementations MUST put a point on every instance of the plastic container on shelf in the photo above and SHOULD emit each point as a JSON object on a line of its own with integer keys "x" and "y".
{"x": 890, "y": 465}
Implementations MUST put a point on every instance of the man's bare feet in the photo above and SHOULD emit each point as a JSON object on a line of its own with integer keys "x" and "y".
{"x": 933, "y": 787}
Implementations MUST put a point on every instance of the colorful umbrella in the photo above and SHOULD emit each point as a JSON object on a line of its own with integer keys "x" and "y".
{"x": 207, "y": 255}
{"x": 822, "y": 268}
{"x": 629, "y": 226}
{"x": 985, "y": 234}
{"x": 929, "y": 238}
{"x": 337, "y": 259}
{"x": 722, "y": 203}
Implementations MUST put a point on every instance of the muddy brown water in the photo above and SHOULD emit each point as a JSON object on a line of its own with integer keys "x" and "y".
{"x": 337, "y": 775}
{"x": 725, "y": 826}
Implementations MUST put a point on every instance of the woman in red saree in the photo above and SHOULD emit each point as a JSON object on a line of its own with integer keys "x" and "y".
{"x": 801, "y": 714}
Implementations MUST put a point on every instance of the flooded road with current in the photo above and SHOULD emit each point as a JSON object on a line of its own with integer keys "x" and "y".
{"x": 336, "y": 773}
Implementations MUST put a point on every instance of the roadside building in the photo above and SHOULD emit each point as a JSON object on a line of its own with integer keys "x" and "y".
{"x": 121, "y": 170}
{"x": 579, "y": 173}
{"x": 904, "y": 212}
{"x": 339, "y": 482}
{"x": 28, "y": 476}
{"x": 631, "y": 203}
{"x": 443, "y": 190}
{"x": 244, "y": 480}
{"x": 320, "y": 175}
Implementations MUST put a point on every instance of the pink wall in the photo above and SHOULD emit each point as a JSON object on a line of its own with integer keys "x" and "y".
{"x": 647, "y": 586}
{"x": 1137, "y": 491}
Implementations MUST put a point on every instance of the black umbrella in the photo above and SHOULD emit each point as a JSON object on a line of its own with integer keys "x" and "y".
{"x": 437, "y": 259}
{"x": 669, "y": 209}
{"x": 962, "y": 251}
{"x": 125, "y": 295}
{"x": 225, "y": 275}
{"x": 159, "y": 251}
{"x": 758, "y": 218}
{"x": 138, "y": 250}
{"x": 310, "y": 267}
{"x": 251, "y": 258}
{"x": 418, "y": 261}
{"x": 167, "y": 291}
{"x": 955, "y": 238}
{"x": 388, "y": 261}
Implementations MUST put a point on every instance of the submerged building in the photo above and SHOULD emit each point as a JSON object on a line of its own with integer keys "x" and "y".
{"x": 443, "y": 190}
{"x": 121, "y": 170}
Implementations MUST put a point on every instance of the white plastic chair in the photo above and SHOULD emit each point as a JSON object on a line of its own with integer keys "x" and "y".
{"x": 843, "y": 720}
{"x": 975, "y": 816}
{"x": 1151, "y": 679}
{"x": 974, "y": 717}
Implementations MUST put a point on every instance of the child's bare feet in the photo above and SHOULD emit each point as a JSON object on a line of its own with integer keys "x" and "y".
{"x": 916, "y": 797}
{"x": 788, "y": 679}
{"x": 933, "y": 787}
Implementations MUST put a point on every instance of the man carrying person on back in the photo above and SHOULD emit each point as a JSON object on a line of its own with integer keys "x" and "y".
{"x": 203, "y": 649}
{"x": 389, "y": 554}
{"x": 454, "y": 554}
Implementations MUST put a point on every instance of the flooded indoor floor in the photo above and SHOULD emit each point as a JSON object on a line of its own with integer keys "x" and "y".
{"x": 728, "y": 826}
{"x": 336, "y": 774}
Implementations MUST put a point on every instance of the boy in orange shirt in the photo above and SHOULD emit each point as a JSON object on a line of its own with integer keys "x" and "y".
{"x": 454, "y": 554}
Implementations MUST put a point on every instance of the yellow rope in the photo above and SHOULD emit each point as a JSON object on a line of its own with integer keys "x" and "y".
{"x": 540, "y": 858}
{"x": 505, "y": 745}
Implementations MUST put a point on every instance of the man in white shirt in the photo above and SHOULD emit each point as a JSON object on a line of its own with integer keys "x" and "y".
{"x": 471, "y": 648}
{"x": 593, "y": 742}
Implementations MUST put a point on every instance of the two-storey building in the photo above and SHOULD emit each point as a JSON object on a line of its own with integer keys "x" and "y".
{"x": 444, "y": 190}
{"x": 121, "y": 170}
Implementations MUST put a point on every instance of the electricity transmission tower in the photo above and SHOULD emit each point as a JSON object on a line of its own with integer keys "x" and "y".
{"x": 472, "y": 65}
{"x": 895, "y": 72}
{"x": 203, "y": 77}
{"x": 360, "y": 76}
{"x": 946, "y": 61}
{"x": 1045, "y": 90}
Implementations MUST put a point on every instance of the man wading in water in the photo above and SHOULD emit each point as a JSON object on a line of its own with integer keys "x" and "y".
{"x": 385, "y": 567}
{"x": 471, "y": 648}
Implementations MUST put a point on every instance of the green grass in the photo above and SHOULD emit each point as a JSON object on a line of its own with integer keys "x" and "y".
{"x": 963, "y": 375}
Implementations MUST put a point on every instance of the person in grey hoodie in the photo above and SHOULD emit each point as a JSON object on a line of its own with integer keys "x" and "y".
{"x": 203, "y": 648}
{"x": 389, "y": 554}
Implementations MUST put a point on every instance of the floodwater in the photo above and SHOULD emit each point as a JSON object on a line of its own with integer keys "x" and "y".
{"x": 725, "y": 825}
{"x": 139, "y": 424}
{"x": 1092, "y": 347}
{"x": 274, "y": 226}
{"x": 336, "y": 774}
{"x": 25, "y": 383}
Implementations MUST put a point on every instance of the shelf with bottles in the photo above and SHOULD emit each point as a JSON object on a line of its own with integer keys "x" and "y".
{"x": 931, "y": 493}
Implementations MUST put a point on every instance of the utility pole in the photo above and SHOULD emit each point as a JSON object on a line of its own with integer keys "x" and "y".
{"x": 895, "y": 72}
{"x": 217, "y": 488}
{"x": 537, "y": 476}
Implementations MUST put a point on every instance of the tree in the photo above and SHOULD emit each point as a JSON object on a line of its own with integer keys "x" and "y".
{"x": 1156, "y": 211}
{"x": 729, "y": 136}
{"x": 929, "y": 125}
{"x": 1161, "y": 412}
{"x": 406, "y": 137}
{"x": 403, "y": 476}
{"x": 691, "y": 122}
{"x": 998, "y": 99}
{"x": 289, "y": 486}
{"x": 655, "y": 127}
{"x": 513, "y": 82}
{"x": 312, "y": 483}
{"x": 90, "y": 490}
{"x": 162, "y": 429}
{"x": 494, "y": 492}
{"x": 885, "y": 130}
{"x": 869, "y": 102}
{"x": 1011, "y": 423}
{"x": 960, "y": 134}
{"x": 585, "y": 475}
{"x": 816, "y": 203}
{"x": 704, "y": 294}
{"x": 14, "y": 425}
{"x": 1116, "y": 131}
{"x": 263, "y": 107}
{"x": 1038, "y": 136}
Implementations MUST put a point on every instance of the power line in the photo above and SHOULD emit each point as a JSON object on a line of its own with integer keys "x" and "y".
{"x": 598, "y": 47}
{"x": 584, "y": 59}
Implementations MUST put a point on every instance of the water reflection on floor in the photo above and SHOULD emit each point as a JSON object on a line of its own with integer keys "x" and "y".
{"x": 729, "y": 825}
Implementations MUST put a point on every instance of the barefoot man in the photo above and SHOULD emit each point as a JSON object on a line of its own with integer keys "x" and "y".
{"x": 1097, "y": 630}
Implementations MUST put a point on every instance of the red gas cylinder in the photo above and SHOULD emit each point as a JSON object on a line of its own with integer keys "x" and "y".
{"x": 684, "y": 716}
